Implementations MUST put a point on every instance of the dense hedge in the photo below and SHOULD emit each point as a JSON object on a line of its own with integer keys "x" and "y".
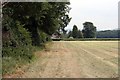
{"x": 92, "y": 39}
{"x": 16, "y": 44}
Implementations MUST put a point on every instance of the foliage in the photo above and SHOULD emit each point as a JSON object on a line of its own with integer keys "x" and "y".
{"x": 47, "y": 17}
{"x": 29, "y": 24}
{"x": 108, "y": 34}
{"x": 69, "y": 34}
{"x": 75, "y": 32}
{"x": 14, "y": 36}
{"x": 91, "y": 39}
{"x": 16, "y": 44}
{"x": 89, "y": 30}
{"x": 80, "y": 35}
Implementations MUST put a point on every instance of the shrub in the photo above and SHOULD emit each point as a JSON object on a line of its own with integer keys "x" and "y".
{"x": 17, "y": 46}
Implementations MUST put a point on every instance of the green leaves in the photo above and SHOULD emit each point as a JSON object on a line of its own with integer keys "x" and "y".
{"x": 89, "y": 30}
{"x": 75, "y": 31}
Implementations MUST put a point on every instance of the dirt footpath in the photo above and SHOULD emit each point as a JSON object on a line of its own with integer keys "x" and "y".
{"x": 76, "y": 60}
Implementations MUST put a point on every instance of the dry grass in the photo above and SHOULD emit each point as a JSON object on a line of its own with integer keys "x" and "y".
{"x": 76, "y": 59}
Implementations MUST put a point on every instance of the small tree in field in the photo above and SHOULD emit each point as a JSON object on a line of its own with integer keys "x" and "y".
{"x": 75, "y": 32}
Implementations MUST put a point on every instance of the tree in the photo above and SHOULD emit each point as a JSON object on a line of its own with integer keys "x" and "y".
{"x": 64, "y": 17}
{"x": 80, "y": 35}
{"x": 89, "y": 30}
{"x": 65, "y": 21}
{"x": 39, "y": 17}
{"x": 69, "y": 34}
{"x": 75, "y": 32}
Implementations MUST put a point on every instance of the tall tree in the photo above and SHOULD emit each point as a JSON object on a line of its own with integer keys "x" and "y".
{"x": 75, "y": 32}
{"x": 37, "y": 16}
{"x": 89, "y": 30}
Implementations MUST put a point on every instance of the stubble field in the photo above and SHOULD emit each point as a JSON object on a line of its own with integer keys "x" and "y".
{"x": 76, "y": 59}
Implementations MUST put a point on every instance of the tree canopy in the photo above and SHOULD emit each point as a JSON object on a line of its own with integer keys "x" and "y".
{"x": 38, "y": 16}
{"x": 89, "y": 30}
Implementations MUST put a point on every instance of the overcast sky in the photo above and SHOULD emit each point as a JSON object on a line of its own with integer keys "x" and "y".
{"x": 102, "y": 13}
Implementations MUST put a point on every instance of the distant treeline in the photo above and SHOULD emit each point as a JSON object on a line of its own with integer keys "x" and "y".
{"x": 108, "y": 34}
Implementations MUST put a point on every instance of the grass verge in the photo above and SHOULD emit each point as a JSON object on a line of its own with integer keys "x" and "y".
{"x": 14, "y": 65}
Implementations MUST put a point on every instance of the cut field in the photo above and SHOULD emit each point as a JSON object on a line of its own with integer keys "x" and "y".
{"x": 76, "y": 59}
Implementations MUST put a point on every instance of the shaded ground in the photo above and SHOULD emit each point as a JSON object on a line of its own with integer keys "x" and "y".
{"x": 76, "y": 59}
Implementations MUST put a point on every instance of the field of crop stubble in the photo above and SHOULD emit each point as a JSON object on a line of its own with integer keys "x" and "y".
{"x": 76, "y": 59}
